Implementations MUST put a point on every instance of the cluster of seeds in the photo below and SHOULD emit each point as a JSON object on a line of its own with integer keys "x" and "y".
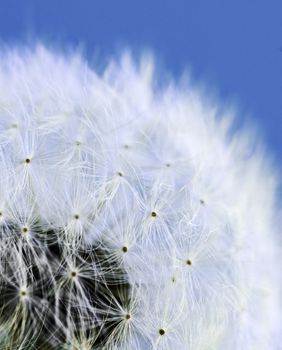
{"x": 129, "y": 216}
{"x": 52, "y": 300}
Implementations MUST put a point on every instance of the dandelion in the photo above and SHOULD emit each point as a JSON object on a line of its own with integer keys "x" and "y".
{"x": 131, "y": 216}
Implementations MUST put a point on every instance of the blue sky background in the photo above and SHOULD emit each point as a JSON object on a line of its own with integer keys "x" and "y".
{"x": 235, "y": 46}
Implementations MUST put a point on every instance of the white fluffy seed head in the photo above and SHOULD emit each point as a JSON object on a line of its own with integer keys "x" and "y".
{"x": 131, "y": 217}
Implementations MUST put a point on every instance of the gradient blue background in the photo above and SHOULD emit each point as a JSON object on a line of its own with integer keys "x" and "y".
{"x": 236, "y": 46}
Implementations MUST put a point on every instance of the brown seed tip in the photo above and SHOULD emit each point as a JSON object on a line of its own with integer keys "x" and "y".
{"x": 153, "y": 214}
{"x": 161, "y": 331}
{"x": 188, "y": 262}
{"x": 27, "y": 160}
{"x": 76, "y": 216}
{"x": 127, "y": 317}
{"x": 124, "y": 249}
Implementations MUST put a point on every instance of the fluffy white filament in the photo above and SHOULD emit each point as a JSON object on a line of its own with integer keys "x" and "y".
{"x": 130, "y": 216}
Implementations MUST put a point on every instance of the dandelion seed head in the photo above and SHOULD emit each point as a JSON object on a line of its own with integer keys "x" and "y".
{"x": 133, "y": 216}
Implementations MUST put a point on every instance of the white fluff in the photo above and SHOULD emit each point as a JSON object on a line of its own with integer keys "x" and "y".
{"x": 182, "y": 211}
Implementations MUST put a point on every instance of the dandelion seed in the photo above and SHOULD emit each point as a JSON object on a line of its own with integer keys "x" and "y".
{"x": 25, "y": 229}
{"x": 73, "y": 274}
{"x": 23, "y": 293}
